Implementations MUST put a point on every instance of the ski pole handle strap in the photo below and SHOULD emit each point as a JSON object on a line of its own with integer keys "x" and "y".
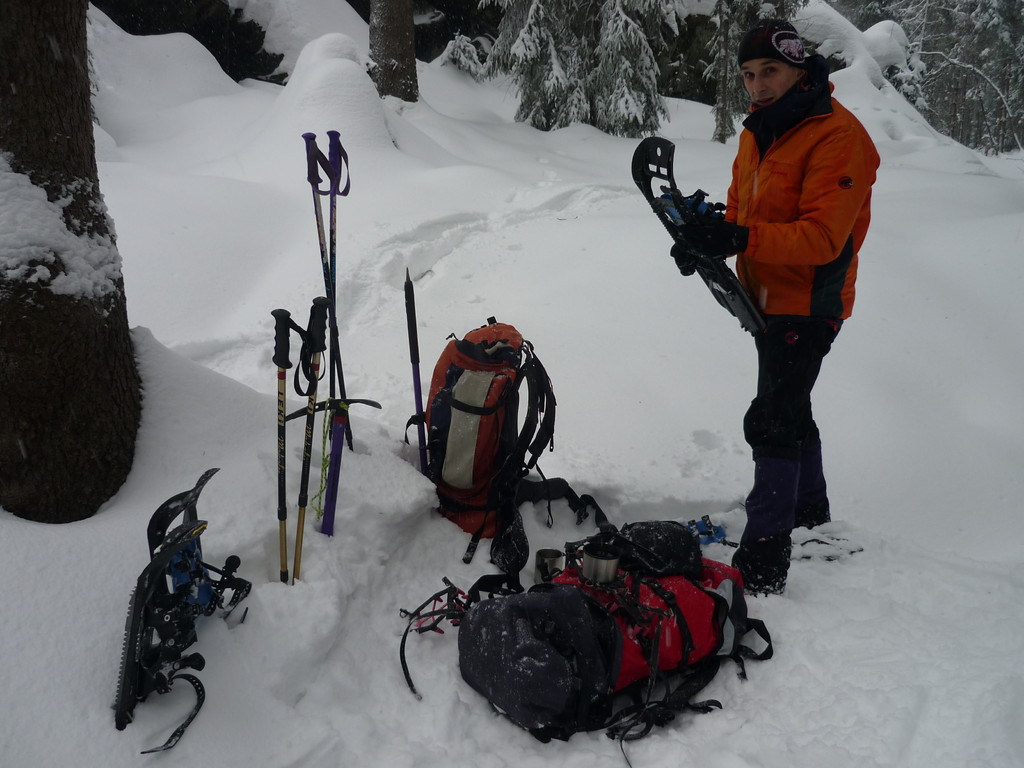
{"x": 314, "y": 158}
{"x": 314, "y": 342}
{"x": 338, "y": 159}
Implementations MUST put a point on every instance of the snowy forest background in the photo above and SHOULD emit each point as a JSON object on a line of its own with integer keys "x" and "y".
{"x": 610, "y": 63}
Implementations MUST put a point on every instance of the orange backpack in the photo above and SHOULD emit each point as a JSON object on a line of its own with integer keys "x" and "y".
{"x": 478, "y": 453}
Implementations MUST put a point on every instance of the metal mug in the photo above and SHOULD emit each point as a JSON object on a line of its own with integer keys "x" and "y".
{"x": 600, "y": 562}
{"x": 548, "y": 565}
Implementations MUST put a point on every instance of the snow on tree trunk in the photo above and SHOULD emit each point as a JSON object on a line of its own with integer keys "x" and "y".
{"x": 70, "y": 397}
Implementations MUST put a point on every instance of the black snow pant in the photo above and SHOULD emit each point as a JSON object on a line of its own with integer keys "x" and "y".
{"x": 779, "y": 425}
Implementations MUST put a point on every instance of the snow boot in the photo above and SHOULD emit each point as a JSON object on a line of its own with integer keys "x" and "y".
{"x": 764, "y": 564}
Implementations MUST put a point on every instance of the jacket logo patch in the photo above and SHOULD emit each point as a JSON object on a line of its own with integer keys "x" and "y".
{"x": 846, "y": 183}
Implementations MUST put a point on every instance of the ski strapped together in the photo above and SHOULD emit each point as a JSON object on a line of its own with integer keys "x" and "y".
{"x": 653, "y": 162}
{"x": 173, "y": 591}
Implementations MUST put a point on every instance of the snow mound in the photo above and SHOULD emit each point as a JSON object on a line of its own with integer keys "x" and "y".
{"x": 329, "y": 90}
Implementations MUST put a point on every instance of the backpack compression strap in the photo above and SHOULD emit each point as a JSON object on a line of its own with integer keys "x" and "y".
{"x": 551, "y": 488}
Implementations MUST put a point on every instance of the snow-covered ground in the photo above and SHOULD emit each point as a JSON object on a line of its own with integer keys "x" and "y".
{"x": 907, "y": 654}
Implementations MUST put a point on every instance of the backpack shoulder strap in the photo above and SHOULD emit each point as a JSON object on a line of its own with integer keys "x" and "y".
{"x": 538, "y": 431}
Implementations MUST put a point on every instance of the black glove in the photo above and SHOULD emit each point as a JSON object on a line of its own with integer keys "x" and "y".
{"x": 685, "y": 259}
{"x": 715, "y": 238}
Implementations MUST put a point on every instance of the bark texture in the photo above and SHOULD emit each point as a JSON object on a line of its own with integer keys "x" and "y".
{"x": 70, "y": 396}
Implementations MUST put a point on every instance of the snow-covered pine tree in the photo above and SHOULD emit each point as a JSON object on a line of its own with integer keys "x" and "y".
{"x": 1016, "y": 86}
{"x": 972, "y": 87}
{"x": 625, "y": 88}
{"x": 987, "y": 47}
{"x": 463, "y": 54}
{"x": 528, "y": 49}
{"x": 864, "y": 14}
{"x": 587, "y": 61}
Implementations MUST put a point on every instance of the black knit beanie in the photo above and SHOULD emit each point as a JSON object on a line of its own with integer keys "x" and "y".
{"x": 773, "y": 39}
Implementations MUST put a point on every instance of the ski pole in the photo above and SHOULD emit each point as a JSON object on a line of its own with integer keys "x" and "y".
{"x": 314, "y": 346}
{"x": 334, "y": 160}
{"x": 282, "y": 329}
{"x": 337, "y": 158}
{"x": 315, "y": 161}
{"x": 414, "y": 356}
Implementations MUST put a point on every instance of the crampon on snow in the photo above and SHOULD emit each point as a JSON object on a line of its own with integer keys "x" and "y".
{"x": 173, "y": 591}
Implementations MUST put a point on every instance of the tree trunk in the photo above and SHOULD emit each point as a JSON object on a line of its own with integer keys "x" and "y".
{"x": 70, "y": 397}
{"x": 726, "y": 78}
{"x": 393, "y": 49}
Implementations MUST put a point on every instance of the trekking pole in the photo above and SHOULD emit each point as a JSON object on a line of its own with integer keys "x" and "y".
{"x": 314, "y": 345}
{"x": 337, "y": 158}
{"x": 315, "y": 161}
{"x": 282, "y": 329}
{"x": 334, "y": 160}
{"x": 414, "y": 357}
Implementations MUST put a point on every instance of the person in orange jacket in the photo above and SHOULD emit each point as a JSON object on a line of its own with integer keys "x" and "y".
{"x": 797, "y": 212}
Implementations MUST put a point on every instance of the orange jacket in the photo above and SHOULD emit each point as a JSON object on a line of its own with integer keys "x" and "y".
{"x": 807, "y": 203}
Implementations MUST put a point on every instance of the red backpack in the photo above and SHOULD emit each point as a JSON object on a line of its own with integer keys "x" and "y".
{"x": 671, "y": 622}
{"x": 479, "y": 453}
{"x": 476, "y": 450}
{"x": 623, "y": 653}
